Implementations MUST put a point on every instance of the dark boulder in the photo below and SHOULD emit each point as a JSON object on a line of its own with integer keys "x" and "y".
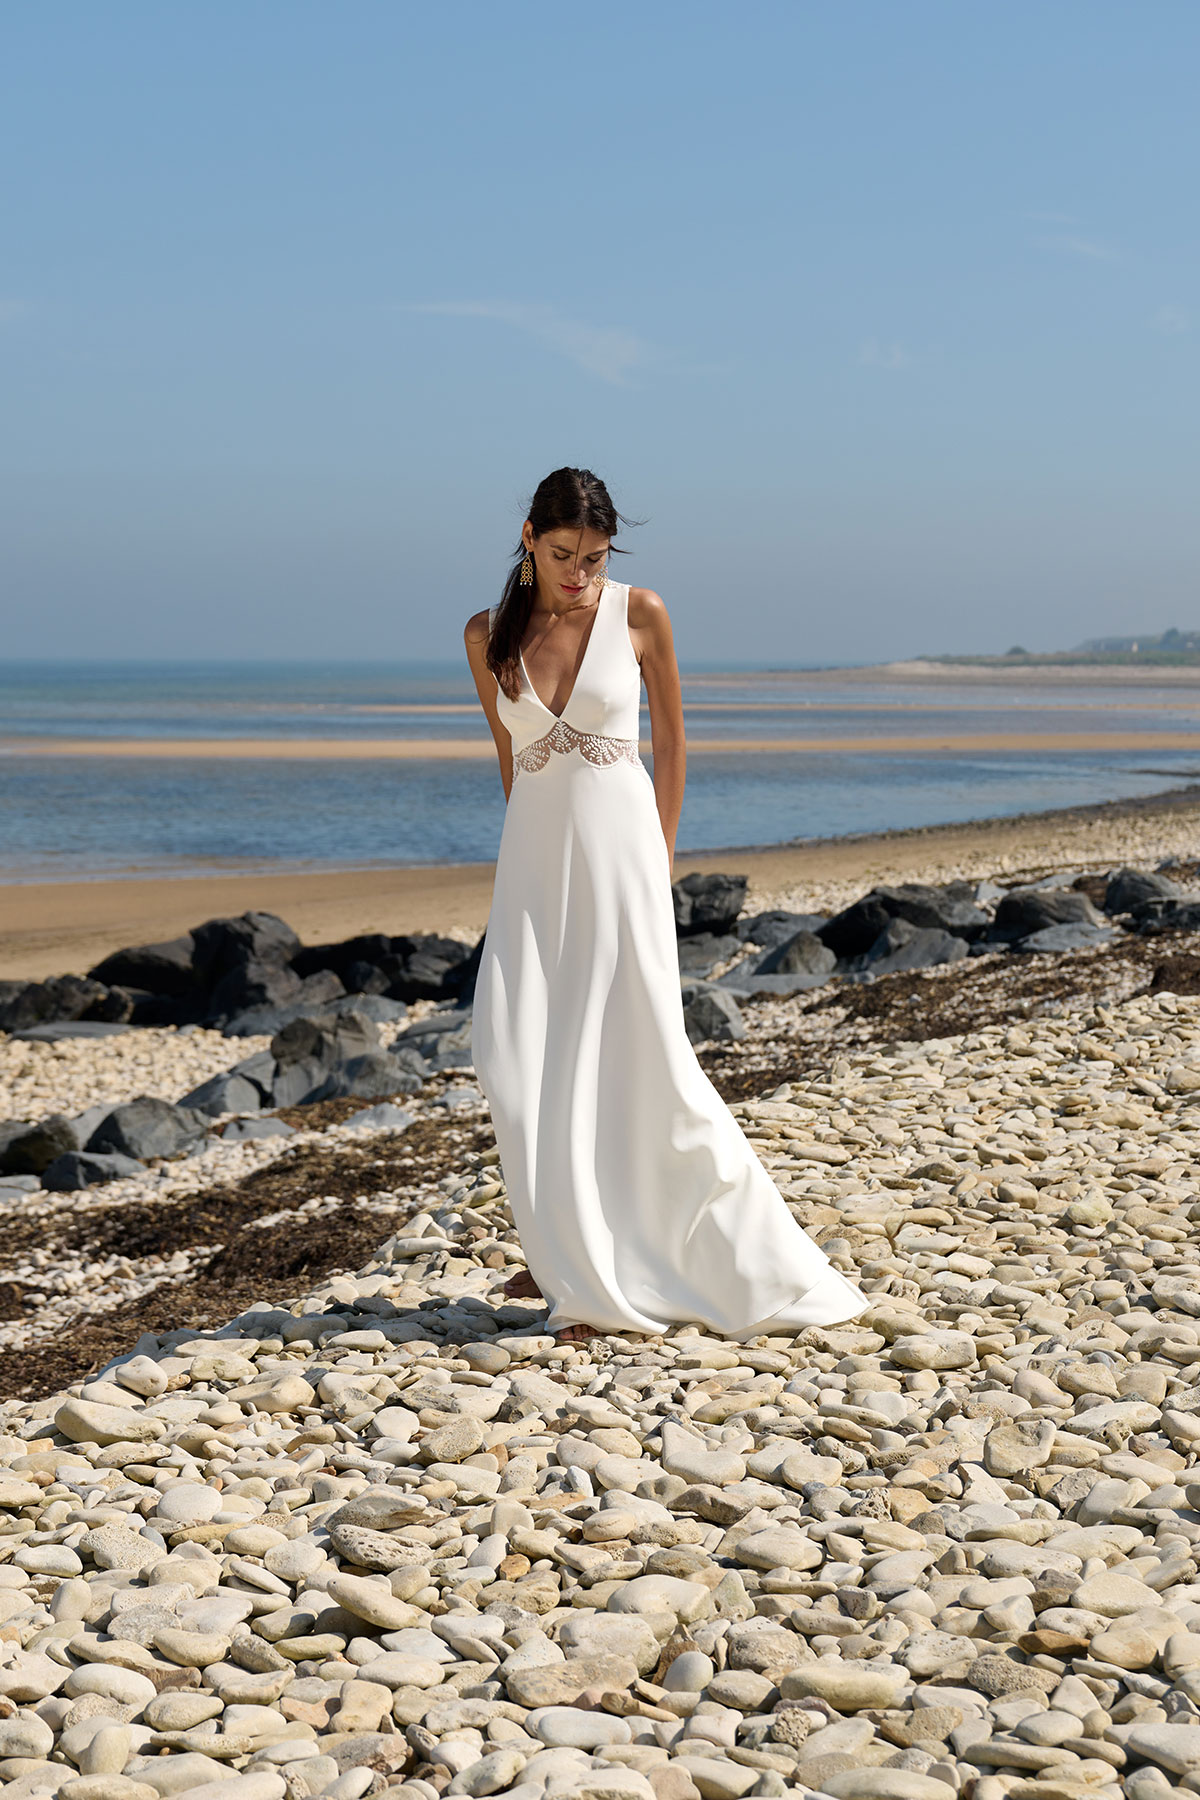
{"x": 307, "y": 1052}
{"x": 1157, "y": 916}
{"x": 906, "y": 946}
{"x": 58, "y": 998}
{"x": 227, "y": 1092}
{"x": 949, "y": 909}
{"x": 441, "y": 1040}
{"x": 426, "y": 967}
{"x": 148, "y": 1127}
{"x": 1128, "y": 889}
{"x": 376, "y": 1075}
{"x": 252, "y": 937}
{"x": 801, "y": 954}
{"x": 265, "y": 1021}
{"x": 370, "y": 948}
{"x": 766, "y": 929}
{"x": 707, "y": 902}
{"x": 163, "y": 969}
{"x": 253, "y": 984}
{"x": 1077, "y": 935}
{"x": 699, "y": 954}
{"x": 34, "y": 1147}
{"x": 330, "y": 1039}
{"x": 364, "y": 978}
{"x": 851, "y": 932}
{"x": 87, "y": 1168}
{"x": 711, "y": 1014}
{"x": 1026, "y": 910}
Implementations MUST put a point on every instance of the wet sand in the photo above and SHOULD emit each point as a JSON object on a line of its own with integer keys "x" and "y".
{"x": 58, "y": 927}
{"x": 456, "y": 749}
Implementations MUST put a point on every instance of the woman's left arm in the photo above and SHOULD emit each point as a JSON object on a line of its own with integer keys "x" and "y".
{"x": 650, "y": 632}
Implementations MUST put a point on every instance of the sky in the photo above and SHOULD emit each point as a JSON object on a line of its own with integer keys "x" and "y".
{"x": 884, "y": 319}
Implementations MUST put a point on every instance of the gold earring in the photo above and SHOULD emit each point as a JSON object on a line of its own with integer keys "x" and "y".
{"x": 527, "y": 571}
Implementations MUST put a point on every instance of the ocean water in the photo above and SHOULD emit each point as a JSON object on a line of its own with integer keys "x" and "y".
{"x": 71, "y": 817}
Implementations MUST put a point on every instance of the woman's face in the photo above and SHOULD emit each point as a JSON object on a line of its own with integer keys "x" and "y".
{"x": 565, "y": 562}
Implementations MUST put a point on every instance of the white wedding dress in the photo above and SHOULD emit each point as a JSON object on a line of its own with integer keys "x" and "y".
{"x": 639, "y": 1200}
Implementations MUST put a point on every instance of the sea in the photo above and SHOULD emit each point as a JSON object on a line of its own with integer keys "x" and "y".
{"x": 87, "y": 815}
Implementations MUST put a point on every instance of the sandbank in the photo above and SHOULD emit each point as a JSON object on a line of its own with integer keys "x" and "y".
{"x": 328, "y": 749}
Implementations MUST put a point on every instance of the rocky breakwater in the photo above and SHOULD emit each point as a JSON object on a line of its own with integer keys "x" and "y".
{"x": 393, "y": 1537}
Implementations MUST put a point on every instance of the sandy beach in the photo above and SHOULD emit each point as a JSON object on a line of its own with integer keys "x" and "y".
{"x": 58, "y": 927}
{"x": 326, "y": 749}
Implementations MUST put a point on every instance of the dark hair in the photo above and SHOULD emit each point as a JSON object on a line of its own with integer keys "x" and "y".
{"x": 570, "y": 500}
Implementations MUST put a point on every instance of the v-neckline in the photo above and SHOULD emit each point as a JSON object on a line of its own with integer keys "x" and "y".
{"x": 579, "y": 671}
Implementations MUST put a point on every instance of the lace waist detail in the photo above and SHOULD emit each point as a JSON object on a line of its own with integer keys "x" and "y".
{"x": 594, "y": 746}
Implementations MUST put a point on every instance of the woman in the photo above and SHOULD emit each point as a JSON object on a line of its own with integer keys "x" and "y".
{"x": 639, "y": 1200}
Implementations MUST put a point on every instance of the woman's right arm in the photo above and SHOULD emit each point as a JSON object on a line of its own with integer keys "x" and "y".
{"x": 475, "y": 637}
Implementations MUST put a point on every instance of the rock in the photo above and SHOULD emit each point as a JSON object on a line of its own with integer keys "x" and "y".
{"x": 1054, "y": 939}
{"x": 454, "y": 1442}
{"x": 847, "y": 1689}
{"x": 688, "y": 1456}
{"x": 780, "y": 1546}
{"x": 91, "y": 1421}
{"x": 1174, "y": 1747}
{"x": 229, "y": 1092}
{"x": 146, "y": 1128}
{"x": 164, "y": 968}
{"x": 1128, "y": 889}
{"x": 707, "y": 902}
{"x": 934, "y": 1350}
{"x": 370, "y": 1600}
{"x": 901, "y": 945}
{"x": 1023, "y": 911}
{"x": 32, "y": 1149}
{"x": 701, "y": 953}
{"x": 1112, "y": 1595}
{"x": 562, "y": 1684}
{"x": 88, "y": 1168}
{"x": 882, "y": 1784}
{"x": 375, "y": 1075}
{"x": 711, "y": 1015}
{"x": 801, "y": 954}
{"x": 569, "y": 1727}
{"x": 25, "y": 1737}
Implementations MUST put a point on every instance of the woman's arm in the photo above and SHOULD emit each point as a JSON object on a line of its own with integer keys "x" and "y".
{"x": 650, "y": 632}
{"x": 475, "y": 637}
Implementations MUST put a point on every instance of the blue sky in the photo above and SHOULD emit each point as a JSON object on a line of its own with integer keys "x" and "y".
{"x": 884, "y": 317}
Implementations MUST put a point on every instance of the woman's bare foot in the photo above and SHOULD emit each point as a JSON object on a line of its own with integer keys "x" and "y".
{"x": 574, "y": 1334}
{"x": 522, "y": 1286}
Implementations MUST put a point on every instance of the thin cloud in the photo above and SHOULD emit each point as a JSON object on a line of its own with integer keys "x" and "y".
{"x": 600, "y": 350}
{"x": 1068, "y": 245}
{"x": 873, "y": 354}
{"x": 10, "y": 310}
{"x": 1171, "y": 321}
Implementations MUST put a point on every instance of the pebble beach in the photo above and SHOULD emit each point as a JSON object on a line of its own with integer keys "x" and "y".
{"x": 295, "y": 1502}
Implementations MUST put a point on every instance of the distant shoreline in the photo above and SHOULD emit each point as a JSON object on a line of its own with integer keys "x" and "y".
{"x": 333, "y": 749}
{"x": 59, "y": 927}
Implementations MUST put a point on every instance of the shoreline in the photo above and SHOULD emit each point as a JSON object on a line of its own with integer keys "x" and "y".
{"x": 329, "y": 749}
{"x": 60, "y": 927}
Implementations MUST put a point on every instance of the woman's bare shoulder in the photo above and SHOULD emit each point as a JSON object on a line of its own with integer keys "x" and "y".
{"x": 645, "y": 605}
{"x": 647, "y": 610}
{"x": 478, "y": 627}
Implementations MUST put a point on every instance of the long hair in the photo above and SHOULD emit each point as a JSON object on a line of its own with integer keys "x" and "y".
{"x": 568, "y": 499}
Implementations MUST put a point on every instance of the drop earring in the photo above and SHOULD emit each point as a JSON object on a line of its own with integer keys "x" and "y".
{"x": 527, "y": 571}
